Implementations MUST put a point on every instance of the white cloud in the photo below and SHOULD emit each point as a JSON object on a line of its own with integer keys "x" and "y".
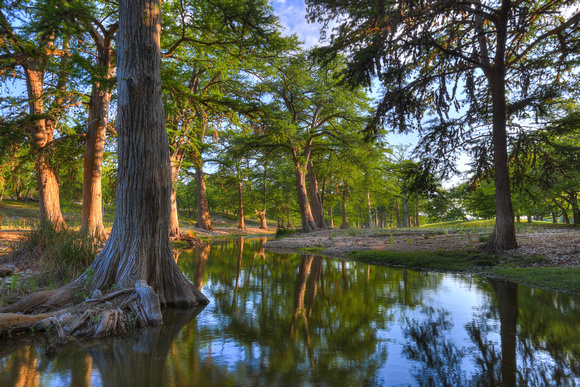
{"x": 292, "y": 14}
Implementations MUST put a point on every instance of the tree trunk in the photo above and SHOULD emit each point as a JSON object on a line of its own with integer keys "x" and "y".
{"x": 317, "y": 209}
{"x": 139, "y": 247}
{"x": 92, "y": 216}
{"x": 344, "y": 223}
{"x": 398, "y": 214}
{"x": 262, "y": 217}
{"x": 241, "y": 224}
{"x": 554, "y": 217}
{"x": 405, "y": 213}
{"x": 416, "y": 212}
{"x": 47, "y": 184}
{"x": 262, "y": 214}
{"x": 308, "y": 223}
{"x": 203, "y": 216}
{"x": 175, "y": 159}
{"x": 565, "y": 217}
{"x": 504, "y": 233}
{"x": 369, "y": 211}
{"x": 529, "y": 218}
{"x": 330, "y": 219}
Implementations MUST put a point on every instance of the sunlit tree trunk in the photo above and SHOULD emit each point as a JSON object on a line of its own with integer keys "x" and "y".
{"x": 344, "y": 223}
{"x": 369, "y": 211}
{"x": 241, "y": 224}
{"x": 330, "y": 219}
{"x": 92, "y": 215}
{"x": 308, "y": 223}
{"x": 42, "y": 137}
{"x": 176, "y": 158}
{"x": 203, "y": 216}
{"x": 138, "y": 247}
{"x": 317, "y": 209}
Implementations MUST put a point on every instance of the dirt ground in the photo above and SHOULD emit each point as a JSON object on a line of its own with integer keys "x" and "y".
{"x": 560, "y": 247}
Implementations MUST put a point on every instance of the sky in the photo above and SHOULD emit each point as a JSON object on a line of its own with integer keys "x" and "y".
{"x": 292, "y": 14}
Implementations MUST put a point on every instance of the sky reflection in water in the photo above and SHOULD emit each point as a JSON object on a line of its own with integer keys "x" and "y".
{"x": 307, "y": 320}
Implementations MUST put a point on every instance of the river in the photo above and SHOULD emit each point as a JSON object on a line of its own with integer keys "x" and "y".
{"x": 307, "y": 320}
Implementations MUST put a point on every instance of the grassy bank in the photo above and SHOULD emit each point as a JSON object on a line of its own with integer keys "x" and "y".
{"x": 522, "y": 270}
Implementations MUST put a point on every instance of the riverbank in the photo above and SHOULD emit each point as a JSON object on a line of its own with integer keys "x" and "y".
{"x": 547, "y": 258}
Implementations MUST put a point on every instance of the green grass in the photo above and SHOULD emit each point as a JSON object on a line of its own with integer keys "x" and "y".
{"x": 429, "y": 260}
{"x": 284, "y": 232}
{"x": 560, "y": 279}
{"x": 484, "y": 225}
{"x": 517, "y": 269}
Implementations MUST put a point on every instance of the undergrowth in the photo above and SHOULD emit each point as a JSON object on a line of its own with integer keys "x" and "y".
{"x": 61, "y": 255}
{"x": 282, "y": 232}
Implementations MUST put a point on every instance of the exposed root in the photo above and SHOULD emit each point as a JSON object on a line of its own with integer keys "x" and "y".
{"x": 190, "y": 240}
{"x": 13, "y": 323}
{"x": 111, "y": 314}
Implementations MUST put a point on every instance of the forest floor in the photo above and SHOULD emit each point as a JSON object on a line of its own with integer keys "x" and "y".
{"x": 560, "y": 247}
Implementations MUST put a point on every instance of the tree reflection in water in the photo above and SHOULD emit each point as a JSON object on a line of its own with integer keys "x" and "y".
{"x": 519, "y": 359}
{"x": 427, "y": 344}
{"x": 140, "y": 359}
{"x": 279, "y": 319}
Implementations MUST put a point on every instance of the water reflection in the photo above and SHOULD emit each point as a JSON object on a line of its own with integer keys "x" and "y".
{"x": 306, "y": 320}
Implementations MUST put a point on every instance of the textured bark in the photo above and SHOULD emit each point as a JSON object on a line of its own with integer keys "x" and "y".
{"x": 262, "y": 217}
{"x": 315, "y": 198}
{"x": 344, "y": 223}
{"x": 92, "y": 216}
{"x": 203, "y": 216}
{"x": 42, "y": 137}
{"x": 308, "y": 223}
{"x": 138, "y": 247}
{"x": 176, "y": 159}
{"x": 504, "y": 233}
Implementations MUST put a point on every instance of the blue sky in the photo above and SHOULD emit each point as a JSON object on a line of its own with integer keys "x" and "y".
{"x": 292, "y": 14}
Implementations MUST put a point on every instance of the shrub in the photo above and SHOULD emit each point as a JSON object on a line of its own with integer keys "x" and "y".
{"x": 61, "y": 255}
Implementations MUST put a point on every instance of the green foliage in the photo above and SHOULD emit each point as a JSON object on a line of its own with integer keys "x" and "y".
{"x": 62, "y": 254}
{"x": 284, "y": 232}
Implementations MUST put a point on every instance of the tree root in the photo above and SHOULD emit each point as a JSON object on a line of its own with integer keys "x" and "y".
{"x": 112, "y": 314}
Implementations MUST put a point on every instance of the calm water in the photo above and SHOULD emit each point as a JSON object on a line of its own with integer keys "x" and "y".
{"x": 302, "y": 320}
